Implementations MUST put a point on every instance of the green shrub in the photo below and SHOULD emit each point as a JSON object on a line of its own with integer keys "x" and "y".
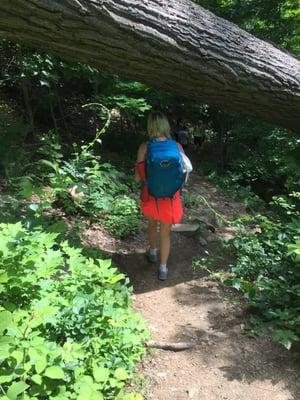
{"x": 230, "y": 185}
{"x": 66, "y": 323}
{"x": 123, "y": 218}
{"x": 267, "y": 271}
{"x": 85, "y": 185}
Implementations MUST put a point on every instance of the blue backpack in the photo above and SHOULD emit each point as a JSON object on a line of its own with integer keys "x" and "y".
{"x": 163, "y": 168}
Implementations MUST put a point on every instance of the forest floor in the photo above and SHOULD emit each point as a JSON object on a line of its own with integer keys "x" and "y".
{"x": 225, "y": 363}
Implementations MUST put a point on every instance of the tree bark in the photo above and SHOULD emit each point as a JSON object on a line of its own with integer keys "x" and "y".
{"x": 173, "y": 45}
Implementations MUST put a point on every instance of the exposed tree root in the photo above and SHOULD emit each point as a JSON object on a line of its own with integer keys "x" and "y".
{"x": 173, "y": 346}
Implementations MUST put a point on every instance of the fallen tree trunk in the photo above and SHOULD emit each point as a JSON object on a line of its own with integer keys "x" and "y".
{"x": 174, "y": 45}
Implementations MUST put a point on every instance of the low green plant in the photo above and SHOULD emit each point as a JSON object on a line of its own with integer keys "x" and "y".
{"x": 82, "y": 185}
{"x": 14, "y": 155}
{"x": 265, "y": 268}
{"x": 230, "y": 185}
{"x": 123, "y": 218}
{"x": 67, "y": 328}
{"x": 190, "y": 200}
{"x": 267, "y": 271}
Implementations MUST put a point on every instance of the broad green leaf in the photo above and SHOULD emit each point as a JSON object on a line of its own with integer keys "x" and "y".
{"x": 17, "y": 355}
{"x": 85, "y": 392}
{"x": 37, "y": 379}
{"x": 97, "y": 396}
{"x": 113, "y": 382}
{"x": 15, "y": 389}
{"x": 3, "y": 276}
{"x": 116, "y": 279}
{"x": 33, "y": 207}
{"x": 121, "y": 374}
{"x": 100, "y": 374}
{"x": 5, "y": 320}
{"x": 105, "y": 263}
{"x": 27, "y": 366}
{"x": 5, "y": 342}
{"x": 8, "y": 377}
{"x": 54, "y": 372}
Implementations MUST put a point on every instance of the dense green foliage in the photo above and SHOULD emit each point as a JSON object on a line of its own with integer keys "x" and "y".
{"x": 274, "y": 20}
{"x": 267, "y": 269}
{"x": 66, "y": 323}
{"x": 68, "y": 330}
{"x": 87, "y": 185}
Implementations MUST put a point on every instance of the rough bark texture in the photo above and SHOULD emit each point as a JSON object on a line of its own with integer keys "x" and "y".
{"x": 170, "y": 44}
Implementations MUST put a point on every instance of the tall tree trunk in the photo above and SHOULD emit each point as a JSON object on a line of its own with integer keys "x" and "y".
{"x": 27, "y": 103}
{"x": 52, "y": 112}
{"x": 26, "y": 97}
{"x": 174, "y": 45}
{"x": 61, "y": 110}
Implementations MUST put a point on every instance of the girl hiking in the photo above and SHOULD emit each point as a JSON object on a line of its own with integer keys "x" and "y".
{"x": 159, "y": 167}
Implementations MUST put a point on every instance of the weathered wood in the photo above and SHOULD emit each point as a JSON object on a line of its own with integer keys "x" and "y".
{"x": 173, "y": 346}
{"x": 175, "y": 45}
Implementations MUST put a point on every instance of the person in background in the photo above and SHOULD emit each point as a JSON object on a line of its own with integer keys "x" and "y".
{"x": 183, "y": 136}
{"x": 177, "y": 128}
{"x": 199, "y": 135}
{"x": 161, "y": 212}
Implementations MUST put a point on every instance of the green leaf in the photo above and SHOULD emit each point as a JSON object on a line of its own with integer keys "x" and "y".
{"x": 54, "y": 372}
{"x": 5, "y": 320}
{"x": 34, "y": 207}
{"x": 54, "y": 166}
{"x": 6, "y": 376}
{"x": 15, "y": 389}
{"x": 37, "y": 379}
{"x": 17, "y": 355}
{"x": 40, "y": 365}
{"x": 116, "y": 279}
{"x": 121, "y": 374}
{"x": 105, "y": 263}
{"x": 3, "y": 276}
{"x": 85, "y": 392}
{"x": 97, "y": 396}
{"x": 100, "y": 374}
{"x": 5, "y": 343}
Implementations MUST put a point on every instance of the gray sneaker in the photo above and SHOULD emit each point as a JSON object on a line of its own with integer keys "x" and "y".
{"x": 152, "y": 258}
{"x": 162, "y": 274}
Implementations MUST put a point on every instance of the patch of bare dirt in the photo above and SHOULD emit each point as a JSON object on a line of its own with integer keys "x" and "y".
{"x": 224, "y": 364}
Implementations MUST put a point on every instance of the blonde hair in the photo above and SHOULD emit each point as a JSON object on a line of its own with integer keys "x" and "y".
{"x": 158, "y": 125}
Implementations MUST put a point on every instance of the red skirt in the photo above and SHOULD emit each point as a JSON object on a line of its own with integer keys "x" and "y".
{"x": 167, "y": 210}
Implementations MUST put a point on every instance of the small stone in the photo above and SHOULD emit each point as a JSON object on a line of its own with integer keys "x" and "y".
{"x": 202, "y": 241}
{"x": 192, "y": 393}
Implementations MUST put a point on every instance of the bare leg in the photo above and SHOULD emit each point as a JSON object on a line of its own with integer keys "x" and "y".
{"x": 165, "y": 235}
{"x": 152, "y": 233}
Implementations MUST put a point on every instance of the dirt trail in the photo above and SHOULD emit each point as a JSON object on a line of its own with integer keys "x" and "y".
{"x": 225, "y": 363}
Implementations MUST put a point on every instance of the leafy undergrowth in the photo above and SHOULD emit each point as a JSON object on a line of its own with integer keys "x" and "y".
{"x": 67, "y": 327}
{"x": 266, "y": 269}
{"x": 82, "y": 185}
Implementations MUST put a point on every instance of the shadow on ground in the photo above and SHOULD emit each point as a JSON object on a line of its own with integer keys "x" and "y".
{"x": 204, "y": 314}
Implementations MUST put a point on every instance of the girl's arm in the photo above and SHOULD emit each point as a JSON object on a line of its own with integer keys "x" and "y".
{"x": 180, "y": 148}
{"x": 141, "y": 154}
